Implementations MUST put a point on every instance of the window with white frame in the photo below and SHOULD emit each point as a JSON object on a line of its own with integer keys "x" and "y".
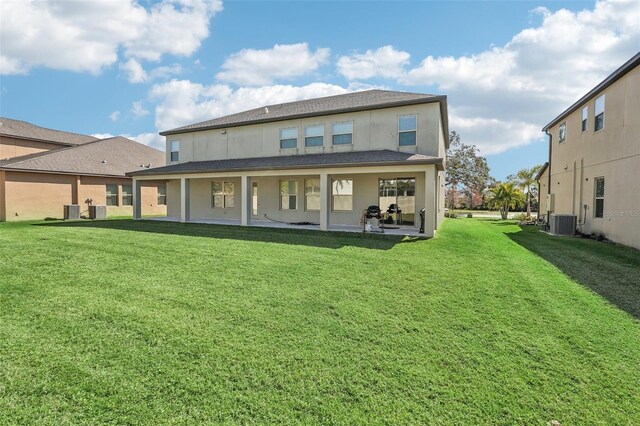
{"x": 112, "y": 194}
{"x": 312, "y": 194}
{"x": 599, "y": 114}
{"x": 162, "y": 194}
{"x": 288, "y": 195}
{"x": 599, "y": 198}
{"x": 289, "y": 138}
{"x": 342, "y": 133}
{"x": 314, "y": 135}
{"x": 175, "y": 151}
{"x": 222, "y": 195}
{"x": 585, "y": 115}
{"x": 407, "y": 130}
{"x": 562, "y": 132}
{"x": 342, "y": 195}
{"x": 127, "y": 195}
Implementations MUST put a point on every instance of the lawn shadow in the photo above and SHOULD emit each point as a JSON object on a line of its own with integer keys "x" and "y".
{"x": 608, "y": 269}
{"x": 329, "y": 239}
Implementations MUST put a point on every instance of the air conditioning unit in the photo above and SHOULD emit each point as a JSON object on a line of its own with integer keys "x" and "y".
{"x": 71, "y": 211}
{"x": 97, "y": 212}
{"x": 550, "y": 198}
{"x": 563, "y": 224}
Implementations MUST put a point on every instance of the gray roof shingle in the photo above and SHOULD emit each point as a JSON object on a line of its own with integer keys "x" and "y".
{"x": 111, "y": 157}
{"x": 335, "y": 159}
{"x": 357, "y": 101}
{"x": 24, "y": 130}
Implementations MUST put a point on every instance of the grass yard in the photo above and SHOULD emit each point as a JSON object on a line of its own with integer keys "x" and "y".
{"x": 128, "y": 322}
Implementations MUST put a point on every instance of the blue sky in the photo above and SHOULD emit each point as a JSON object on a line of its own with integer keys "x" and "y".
{"x": 135, "y": 68}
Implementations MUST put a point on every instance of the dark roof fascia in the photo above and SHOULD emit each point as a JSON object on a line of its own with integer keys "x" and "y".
{"x": 59, "y": 172}
{"x": 7, "y": 135}
{"x": 425, "y": 100}
{"x": 544, "y": 167}
{"x": 437, "y": 161}
{"x": 615, "y": 76}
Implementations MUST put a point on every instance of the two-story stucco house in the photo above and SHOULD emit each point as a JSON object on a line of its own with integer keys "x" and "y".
{"x": 594, "y": 159}
{"x": 320, "y": 161}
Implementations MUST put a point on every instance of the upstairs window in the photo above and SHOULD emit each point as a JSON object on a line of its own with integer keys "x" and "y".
{"x": 288, "y": 195}
{"x": 127, "y": 195}
{"x": 599, "y": 198}
{"x": 162, "y": 194}
{"x": 112, "y": 194}
{"x": 562, "y": 132}
{"x": 175, "y": 150}
{"x": 599, "y": 112}
{"x": 222, "y": 194}
{"x": 585, "y": 114}
{"x": 314, "y": 135}
{"x": 407, "y": 128}
{"x": 289, "y": 138}
{"x": 342, "y": 133}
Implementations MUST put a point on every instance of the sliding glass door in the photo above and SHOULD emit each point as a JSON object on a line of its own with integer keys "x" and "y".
{"x": 397, "y": 198}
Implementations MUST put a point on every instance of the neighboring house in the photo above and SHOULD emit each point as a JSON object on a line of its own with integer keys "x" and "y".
{"x": 84, "y": 171}
{"x": 18, "y": 138}
{"x": 594, "y": 161}
{"x": 320, "y": 160}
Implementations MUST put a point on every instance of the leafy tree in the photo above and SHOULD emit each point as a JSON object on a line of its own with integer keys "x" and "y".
{"x": 505, "y": 196}
{"x": 525, "y": 179}
{"x": 467, "y": 172}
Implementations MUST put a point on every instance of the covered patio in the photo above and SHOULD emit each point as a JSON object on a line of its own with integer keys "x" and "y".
{"x": 327, "y": 192}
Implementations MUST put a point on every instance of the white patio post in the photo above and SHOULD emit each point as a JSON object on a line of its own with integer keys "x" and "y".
{"x": 325, "y": 201}
{"x": 137, "y": 199}
{"x": 184, "y": 200}
{"x": 245, "y": 200}
{"x": 430, "y": 201}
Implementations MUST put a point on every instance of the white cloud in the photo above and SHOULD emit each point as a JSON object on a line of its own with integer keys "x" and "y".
{"x": 138, "y": 110}
{"x": 134, "y": 71}
{"x": 182, "y": 102}
{"x": 253, "y": 67}
{"x": 505, "y": 94}
{"x": 114, "y": 116}
{"x": 384, "y": 62}
{"x": 86, "y": 36}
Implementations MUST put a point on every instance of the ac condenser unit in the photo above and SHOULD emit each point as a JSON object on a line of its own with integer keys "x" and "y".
{"x": 563, "y": 224}
{"x": 71, "y": 211}
{"x": 97, "y": 212}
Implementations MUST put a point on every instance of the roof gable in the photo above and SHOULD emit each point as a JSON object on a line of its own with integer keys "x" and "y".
{"x": 23, "y": 130}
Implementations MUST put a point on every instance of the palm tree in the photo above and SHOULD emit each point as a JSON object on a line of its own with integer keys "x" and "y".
{"x": 525, "y": 179}
{"x": 505, "y": 196}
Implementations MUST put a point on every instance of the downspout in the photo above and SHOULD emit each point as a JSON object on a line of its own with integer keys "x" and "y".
{"x": 546, "y": 131}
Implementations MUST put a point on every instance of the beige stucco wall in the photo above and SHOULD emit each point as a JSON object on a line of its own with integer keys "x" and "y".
{"x": 14, "y": 147}
{"x": 612, "y": 153}
{"x": 35, "y": 196}
{"x": 543, "y": 185}
{"x": 372, "y": 130}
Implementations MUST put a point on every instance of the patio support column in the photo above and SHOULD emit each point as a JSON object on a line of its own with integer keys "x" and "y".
{"x": 137, "y": 199}
{"x": 245, "y": 200}
{"x": 184, "y": 200}
{"x": 325, "y": 201}
{"x": 430, "y": 201}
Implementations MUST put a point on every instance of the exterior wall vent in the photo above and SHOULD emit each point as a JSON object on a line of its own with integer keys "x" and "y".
{"x": 563, "y": 224}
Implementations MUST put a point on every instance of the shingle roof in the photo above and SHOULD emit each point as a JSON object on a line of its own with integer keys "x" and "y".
{"x": 335, "y": 159}
{"x": 615, "y": 76}
{"x": 24, "y": 130}
{"x": 357, "y": 101}
{"x": 112, "y": 157}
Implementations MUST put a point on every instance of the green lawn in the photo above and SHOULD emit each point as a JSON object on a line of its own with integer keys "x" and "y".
{"x": 128, "y": 322}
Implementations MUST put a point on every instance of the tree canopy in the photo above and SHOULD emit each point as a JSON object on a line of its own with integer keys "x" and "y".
{"x": 467, "y": 173}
